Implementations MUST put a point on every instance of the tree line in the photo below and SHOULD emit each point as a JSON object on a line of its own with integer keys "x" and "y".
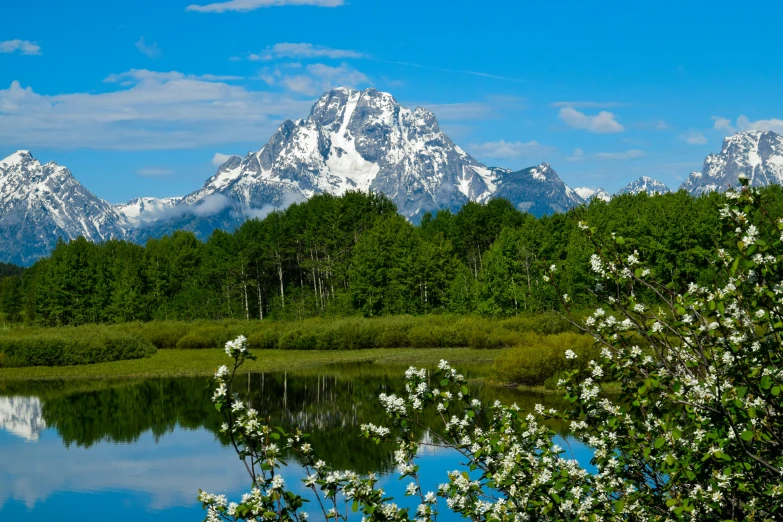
{"x": 353, "y": 254}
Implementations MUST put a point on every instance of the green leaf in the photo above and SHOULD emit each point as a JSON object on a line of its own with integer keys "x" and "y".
{"x": 660, "y": 441}
{"x": 747, "y": 435}
{"x": 766, "y": 382}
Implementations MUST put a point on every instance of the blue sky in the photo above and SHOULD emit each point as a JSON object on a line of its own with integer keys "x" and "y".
{"x": 137, "y": 98}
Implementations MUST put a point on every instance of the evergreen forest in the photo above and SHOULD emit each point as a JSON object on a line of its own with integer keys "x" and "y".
{"x": 354, "y": 255}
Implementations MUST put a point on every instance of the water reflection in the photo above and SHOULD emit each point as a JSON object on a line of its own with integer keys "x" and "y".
{"x": 160, "y": 438}
{"x": 22, "y": 417}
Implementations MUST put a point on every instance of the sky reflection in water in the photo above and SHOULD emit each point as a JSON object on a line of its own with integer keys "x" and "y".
{"x": 141, "y": 450}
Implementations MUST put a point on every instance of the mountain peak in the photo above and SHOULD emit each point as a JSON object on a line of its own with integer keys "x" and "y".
{"x": 644, "y": 184}
{"x": 17, "y": 158}
{"x": 41, "y": 202}
{"x": 757, "y": 155}
{"x": 588, "y": 193}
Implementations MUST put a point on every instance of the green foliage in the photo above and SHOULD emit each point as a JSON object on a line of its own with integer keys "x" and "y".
{"x": 539, "y": 358}
{"x": 342, "y": 256}
{"x": 69, "y": 346}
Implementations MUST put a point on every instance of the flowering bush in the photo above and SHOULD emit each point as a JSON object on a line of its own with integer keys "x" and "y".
{"x": 696, "y": 433}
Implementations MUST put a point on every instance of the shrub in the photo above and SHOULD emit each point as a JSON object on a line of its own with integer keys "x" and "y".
{"x": 207, "y": 336}
{"x": 69, "y": 346}
{"x": 539, "y": 358}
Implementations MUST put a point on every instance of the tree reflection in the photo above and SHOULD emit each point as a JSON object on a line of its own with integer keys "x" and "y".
{"x": 329, "y": 403}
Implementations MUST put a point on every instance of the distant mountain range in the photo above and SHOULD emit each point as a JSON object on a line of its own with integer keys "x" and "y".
{"x": 351, "y": 140}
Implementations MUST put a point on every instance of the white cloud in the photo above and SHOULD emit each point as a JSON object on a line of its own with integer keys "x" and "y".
{"x": 210, "y": 205}
{"x": 588, "y": 104}
{"x": 153, "y": 172}
{"x": 147, "y": 111}
{"x": 628, "y": 154}
{"x": 509, "y": 150}
{"x": 251, "y": 5}
{"x": 151, "y": 51}
{"x": 218, "y": 159}
{"x": 773, "y": 124}
{"x": 318, "y": 78}
{"x": 693, "y": 137}
{"x": 602, "y": 123}
{"x": 723, "y": 124}
{"x": 144, "y": 75}
{"x": 23, "y": 46}
{"x": 744, "y": 124}
{"x": 302, "y": 50}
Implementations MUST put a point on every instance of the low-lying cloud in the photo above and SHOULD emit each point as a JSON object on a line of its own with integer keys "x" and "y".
{"x": 745, "y": 124}
{"x": 316, "y": 78}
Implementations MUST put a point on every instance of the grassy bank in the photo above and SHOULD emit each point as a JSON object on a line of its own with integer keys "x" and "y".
{"x": 346, "y": 333}
{"x": 171, "y": 363}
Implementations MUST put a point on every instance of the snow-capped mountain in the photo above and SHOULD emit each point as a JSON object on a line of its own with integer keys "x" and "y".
{"x": 40, "y": 203}
{"x": 140, "y": 210}
{"x": 536, "y": 190}
{"x": 351, "y": 140}
{"x": 362, "y": 140}
{"x": 644, "y": 184}
{"x": 587, "y": 193}
{"x": 755, "y": 154}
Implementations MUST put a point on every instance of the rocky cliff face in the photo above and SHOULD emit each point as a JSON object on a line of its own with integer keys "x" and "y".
{"x": 756, "y": 155}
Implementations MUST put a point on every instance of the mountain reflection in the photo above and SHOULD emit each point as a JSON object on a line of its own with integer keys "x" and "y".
{"x": 22, "y": 417}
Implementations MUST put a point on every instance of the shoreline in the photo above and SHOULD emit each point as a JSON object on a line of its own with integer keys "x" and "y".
{"x": 204, "y": 362}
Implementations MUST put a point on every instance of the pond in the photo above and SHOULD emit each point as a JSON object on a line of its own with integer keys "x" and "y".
{"x": 141, "y": 449}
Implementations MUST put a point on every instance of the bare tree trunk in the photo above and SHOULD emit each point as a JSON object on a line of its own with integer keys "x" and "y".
{"x": 244, "y": 290}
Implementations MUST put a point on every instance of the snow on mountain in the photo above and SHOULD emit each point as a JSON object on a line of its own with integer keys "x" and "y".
{"x": 644, "y": 184}
{"x": 363, "y": 140}
{"x": 351, "y": 140}
{"x": 587, "y": 193}
{"x": 755, "y": 154}
{"x": 40, "y": 203}
{"x": 141, "y": 210}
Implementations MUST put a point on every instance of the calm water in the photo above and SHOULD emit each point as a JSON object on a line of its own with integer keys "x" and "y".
{"x": 140, "y": 450}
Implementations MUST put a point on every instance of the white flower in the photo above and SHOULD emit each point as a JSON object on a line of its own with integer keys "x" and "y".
{"x": 570, "y": 354}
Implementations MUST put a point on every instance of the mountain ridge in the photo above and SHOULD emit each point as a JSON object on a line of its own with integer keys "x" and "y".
{"x": 351, "y": 140}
